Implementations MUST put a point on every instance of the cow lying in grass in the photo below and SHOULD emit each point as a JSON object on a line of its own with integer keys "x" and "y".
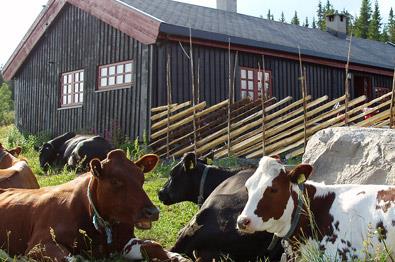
{"x": 73, "y": 150}
{"x": 212, "y": 233}
{"x": 101, "y": 206}
{"x": 15, "y": 173}
{"x": 335, "y": 219}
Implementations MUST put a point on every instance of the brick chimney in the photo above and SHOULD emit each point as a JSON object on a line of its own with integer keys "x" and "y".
{"x": 227, "y": 5}
{"x": 336, "y": 24}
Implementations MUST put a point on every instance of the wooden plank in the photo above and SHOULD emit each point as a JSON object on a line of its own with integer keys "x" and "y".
{"x": 173, "y": 109}
{"x": 161, "y": 108}
{"x": 177, "y": 116}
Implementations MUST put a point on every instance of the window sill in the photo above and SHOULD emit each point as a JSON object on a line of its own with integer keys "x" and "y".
{"x": 101, "y": 90}
{"x": 69, "y": 107}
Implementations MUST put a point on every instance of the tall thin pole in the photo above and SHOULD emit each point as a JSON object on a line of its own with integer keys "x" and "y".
{"x": 392, "y": 102}
{"x": 230, "y": 100}
{"x": 302, "y": 82}
{"x": 263, "y": 97}
{"x": 169, "y": 101}
{"x": 193, "y": 90}
{"x": 347, "y": 83}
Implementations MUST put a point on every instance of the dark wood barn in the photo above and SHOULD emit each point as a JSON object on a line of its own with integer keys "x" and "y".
{"x": 100, "y": 65}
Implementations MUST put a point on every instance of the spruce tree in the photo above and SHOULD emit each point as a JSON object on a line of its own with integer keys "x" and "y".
{"x": 269, "y": 15}
{"x": 314, "y": 25}
{"x": 391, "y": 26}
{"x": 320, "y": 16}
{"x": 384, "y": 37}
{"x": 375, "y": 24}
{"x": 282, "y": 19}
{"x": 295, "y": 19}
{"x": 362, "y": 23}
{"x": 306, "y": 22}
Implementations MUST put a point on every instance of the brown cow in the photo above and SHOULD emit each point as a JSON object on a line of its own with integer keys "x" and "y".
{"x": 15, "y": 173}
{"x": 85, "y": 216}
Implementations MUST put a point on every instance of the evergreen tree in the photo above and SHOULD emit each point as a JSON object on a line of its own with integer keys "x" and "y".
{"x": 269, "y": 15}
{"x": 375, "y": 24}
{"x": 384, "y": 37}
{"x": 282, "y": 19}
{"x": 306, "y": 22}
{"x": 362, "y": 23}
{"x": 314, "y": 25}
{"x": 295, "y": 19}
{"x": 320, "y": 16}
{"x": 391, "y": 26}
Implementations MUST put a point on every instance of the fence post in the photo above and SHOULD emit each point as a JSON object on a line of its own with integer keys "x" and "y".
{"x": 392, "y": 102}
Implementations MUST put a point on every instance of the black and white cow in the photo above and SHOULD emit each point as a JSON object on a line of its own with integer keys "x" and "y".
{"x": 73, "y": 150}
{"x": 212, "y": 232}
{"x": 335, "y": 219}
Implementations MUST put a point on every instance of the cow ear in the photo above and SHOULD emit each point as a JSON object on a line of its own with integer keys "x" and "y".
{"x": 148, "y": 162}
{"x": 16, "y": 151}
{"x": 96, "y": 168}
{"x": 300, "y": 173}
{"x": 117, "y": 153}
{"x": 190, "y": 162}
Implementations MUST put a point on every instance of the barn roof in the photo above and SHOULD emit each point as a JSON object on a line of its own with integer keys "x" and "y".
{"x": 219, "y": 25}
{"x": 148, "y": 20}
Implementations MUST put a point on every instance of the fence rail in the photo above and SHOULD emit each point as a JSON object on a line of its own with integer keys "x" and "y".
{"x": 172, "y": 132}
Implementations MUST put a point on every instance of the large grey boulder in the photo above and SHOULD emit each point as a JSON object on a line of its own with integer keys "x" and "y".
{"x": 352, "y": 155}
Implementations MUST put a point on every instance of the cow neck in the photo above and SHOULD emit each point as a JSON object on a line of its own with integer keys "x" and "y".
{"x": 97, "y": 220}
{"x": 201, "y": 187}
{"x": 294, "y": 222}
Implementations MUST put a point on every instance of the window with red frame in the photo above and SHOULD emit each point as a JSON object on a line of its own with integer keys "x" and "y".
{"x": 251, "y": 82}
{"x": 72, "y": 85}
{"x": 118, "y": 75}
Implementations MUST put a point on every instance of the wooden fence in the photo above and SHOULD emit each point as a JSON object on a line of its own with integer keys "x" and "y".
{"x": 286, "y": 124}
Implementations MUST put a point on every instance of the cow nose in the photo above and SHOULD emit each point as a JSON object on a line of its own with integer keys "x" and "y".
{"x": 243, "y": 222}
{"x": 151, "y": 213}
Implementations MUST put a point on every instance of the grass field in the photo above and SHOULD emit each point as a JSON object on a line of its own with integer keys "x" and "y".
{"x": 172, "y": 218}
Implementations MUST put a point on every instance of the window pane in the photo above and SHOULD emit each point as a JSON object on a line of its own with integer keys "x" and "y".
{"x": 128, "y": 68}
{"x": 103, "y": 82}
{"x": 259, "y": 86}
{"x": 259, "y": 76}
{"x": 244, "y": 84}
{"x": 64, "y": 79}
{"x": 243, "y": 94}
{"x": 119, "y": 69}
{"x": 251, "y": 85}
{"x": 111, "y": 70}
{"x": 65, "y": 89}
{"x": 81, "y": 76}
{"x": 81, "y": 98}
{"x": 76, "y": 77}
{"x": 267, "y": 76}
{"x": 69, "y": 89}
{"x": 81, "y": 87}
{"x": 76, "y": 87}
{"x": 76, "y": 98}
{"x": 251, "y": 94}
{"x": 111, "y": 81}
{"x": 64, "y": 102}
{"x": 243, "y": 73}
{"x": 69, "y": 99}
{"x": 128, "y": 78}
{"x": 250, "y": 74}
{"x": 103, "y": 71}
{"x": 69, "y": 78}
{"x": 120, "y": 79}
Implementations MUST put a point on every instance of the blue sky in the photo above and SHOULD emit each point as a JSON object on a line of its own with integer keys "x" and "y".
{"x": 15, "y": 21}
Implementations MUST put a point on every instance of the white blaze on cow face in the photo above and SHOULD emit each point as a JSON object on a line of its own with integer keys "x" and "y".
{"x": 266, "y": 178}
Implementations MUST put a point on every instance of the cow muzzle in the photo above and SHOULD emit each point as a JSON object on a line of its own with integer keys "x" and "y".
{"x": 149, "y": 214}
{"x": 243, "y": 223}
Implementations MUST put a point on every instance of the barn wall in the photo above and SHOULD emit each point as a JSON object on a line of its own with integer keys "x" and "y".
{"x": 213, "y": 67}
{"x": 77, "y": 40}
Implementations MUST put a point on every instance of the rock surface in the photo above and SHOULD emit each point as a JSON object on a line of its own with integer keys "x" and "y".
{"x": 352, "y": 155}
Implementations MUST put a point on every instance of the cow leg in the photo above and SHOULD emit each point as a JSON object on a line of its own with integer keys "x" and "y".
{"x": 50, "y": 251}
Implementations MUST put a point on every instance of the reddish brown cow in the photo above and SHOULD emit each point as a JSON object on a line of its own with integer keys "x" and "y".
{"x": 15, "y": 173}
{"x": 102, "y": 205}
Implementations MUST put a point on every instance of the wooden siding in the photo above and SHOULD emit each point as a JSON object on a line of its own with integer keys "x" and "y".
{"x": 321, "y": 80}
{"x": 77, "y": 40}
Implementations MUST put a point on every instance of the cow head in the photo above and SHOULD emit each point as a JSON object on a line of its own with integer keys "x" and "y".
{"x": 272, "y": 197}
{"x": 8, "y": 157}
{"x": 48, "y": 155}
{"x": 119, "y": 193}
{"x": 184, "y": 181}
